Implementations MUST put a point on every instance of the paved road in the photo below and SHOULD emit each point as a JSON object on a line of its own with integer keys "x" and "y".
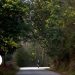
{"x": 36, "y": 72}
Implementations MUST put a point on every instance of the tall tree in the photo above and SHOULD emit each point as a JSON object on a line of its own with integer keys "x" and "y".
{"x": 50, "y": 18}
{"x": 13, "y": 24}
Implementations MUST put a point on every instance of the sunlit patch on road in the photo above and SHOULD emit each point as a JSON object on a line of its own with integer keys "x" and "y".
{"x": 34, "y": 68}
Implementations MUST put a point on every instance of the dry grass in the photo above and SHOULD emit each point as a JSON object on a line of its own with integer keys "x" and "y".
{"x": 6, "y": 70}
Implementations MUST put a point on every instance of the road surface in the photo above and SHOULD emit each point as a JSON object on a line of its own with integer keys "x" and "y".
{"x": 36, "y": 71}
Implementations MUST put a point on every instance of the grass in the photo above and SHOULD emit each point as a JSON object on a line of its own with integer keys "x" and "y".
{"x": 64, "y": 71}
{"x": 9, "y": 72}
{"x": 5, "y": 70}
{"x": 71, "y": 73}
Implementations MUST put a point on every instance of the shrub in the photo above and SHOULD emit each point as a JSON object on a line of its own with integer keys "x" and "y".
{"x": 22, "y": 58}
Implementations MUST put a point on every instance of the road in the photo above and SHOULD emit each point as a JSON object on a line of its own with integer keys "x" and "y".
{"x": 35, "y": 71}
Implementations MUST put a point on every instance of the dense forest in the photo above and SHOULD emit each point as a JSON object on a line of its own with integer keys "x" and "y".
{"x": 47, "y": 24}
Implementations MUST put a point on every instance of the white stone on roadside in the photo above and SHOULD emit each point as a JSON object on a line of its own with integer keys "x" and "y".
{"x": 0, "y": 60}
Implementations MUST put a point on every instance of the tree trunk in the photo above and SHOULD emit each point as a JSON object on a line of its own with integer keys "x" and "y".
{"x": 4, "y": 60}
{"x": 72, "y": 60}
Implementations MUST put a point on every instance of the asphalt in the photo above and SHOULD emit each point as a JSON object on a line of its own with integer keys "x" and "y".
{"x": 36, "y": 72}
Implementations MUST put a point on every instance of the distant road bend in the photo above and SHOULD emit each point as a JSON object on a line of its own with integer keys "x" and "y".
{"x": 36, "y": 71}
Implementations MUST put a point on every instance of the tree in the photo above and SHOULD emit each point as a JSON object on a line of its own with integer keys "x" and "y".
{"x": 13, "y": 24}
{"x": 50, "y": 19}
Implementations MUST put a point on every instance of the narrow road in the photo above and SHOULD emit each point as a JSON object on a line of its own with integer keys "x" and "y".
{"x": 35, "y": 71}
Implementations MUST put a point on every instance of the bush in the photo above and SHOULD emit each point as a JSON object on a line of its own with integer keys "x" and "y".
{"x": 22, "y": 58}
{"x": 5, "y": 70}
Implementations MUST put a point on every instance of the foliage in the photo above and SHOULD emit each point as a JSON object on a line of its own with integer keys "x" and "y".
{"x": 7, "y": 71}
{"x": 13, "y": 23}
{"x": 22, "y": 58}
{"x": 52, "y": 22}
